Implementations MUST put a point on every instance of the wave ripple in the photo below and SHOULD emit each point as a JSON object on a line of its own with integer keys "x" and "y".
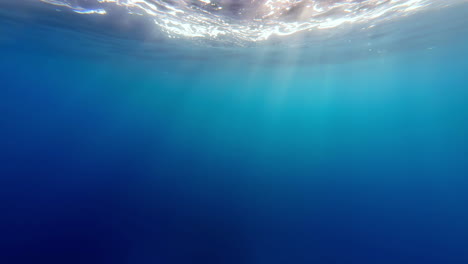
{"x": 252, "y": 20}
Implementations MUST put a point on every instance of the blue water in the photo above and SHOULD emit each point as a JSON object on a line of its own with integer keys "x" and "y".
{"x": 119, "y": 150}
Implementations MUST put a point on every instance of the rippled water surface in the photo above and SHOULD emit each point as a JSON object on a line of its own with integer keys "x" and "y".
{"x": 253, "y": 20}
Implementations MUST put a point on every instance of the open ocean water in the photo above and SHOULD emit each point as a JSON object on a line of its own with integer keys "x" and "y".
{"x": 243, "y": 132}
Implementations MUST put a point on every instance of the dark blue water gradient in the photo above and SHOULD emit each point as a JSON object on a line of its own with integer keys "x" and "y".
{"x": 109, "y": 158}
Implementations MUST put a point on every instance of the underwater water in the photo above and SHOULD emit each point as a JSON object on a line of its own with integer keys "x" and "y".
{"x": 246, "y": 132}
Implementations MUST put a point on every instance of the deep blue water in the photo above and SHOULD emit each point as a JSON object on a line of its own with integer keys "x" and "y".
{"x": 196, "y": 155}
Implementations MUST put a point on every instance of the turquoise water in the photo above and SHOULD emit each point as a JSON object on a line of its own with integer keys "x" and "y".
{"x": 120, "y": 147}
